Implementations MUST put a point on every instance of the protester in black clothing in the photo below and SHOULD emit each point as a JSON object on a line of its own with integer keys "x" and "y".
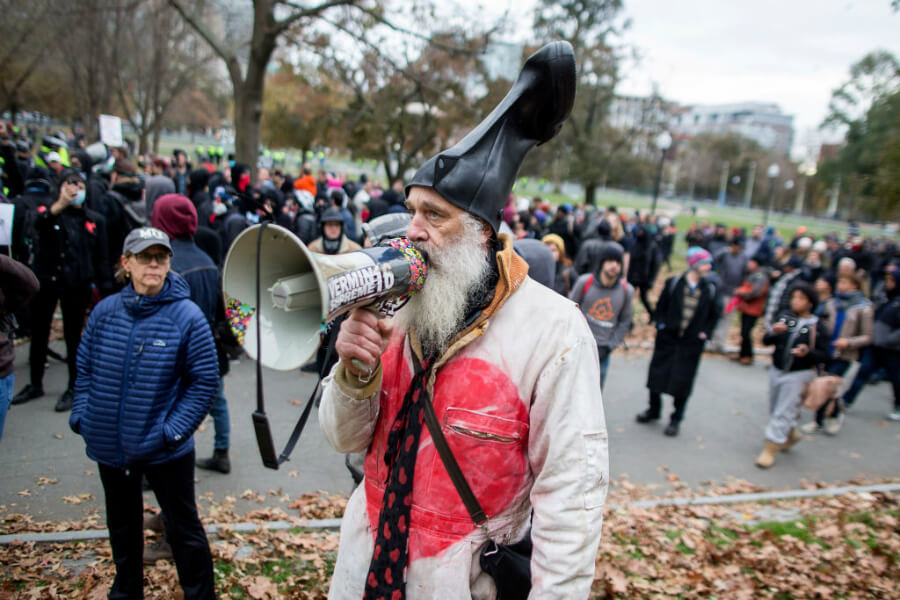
{"x": 644, "y": 264}
{"x": 70, "y": 258}
{"x": 123, "y": 206}
{"x": 685, "y": 316}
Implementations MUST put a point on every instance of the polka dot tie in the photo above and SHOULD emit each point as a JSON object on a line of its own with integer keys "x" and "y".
{"x": 387, "y": 571}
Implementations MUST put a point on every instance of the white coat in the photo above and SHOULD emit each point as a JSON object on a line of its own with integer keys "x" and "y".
{"x": 518, "y": 397}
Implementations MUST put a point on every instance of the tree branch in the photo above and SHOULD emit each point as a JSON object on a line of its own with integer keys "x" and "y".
{"x": 218, "y": 46}
{"x": 303, "y": 12}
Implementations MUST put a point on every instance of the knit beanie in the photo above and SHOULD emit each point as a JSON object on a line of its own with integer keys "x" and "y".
{"x": 697, "y": 256}
{"x": 552, "y": 238}
{"x": 175, "y": 214}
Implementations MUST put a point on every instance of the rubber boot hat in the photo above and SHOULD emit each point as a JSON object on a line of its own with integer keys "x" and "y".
{"x": 477, "y": 174}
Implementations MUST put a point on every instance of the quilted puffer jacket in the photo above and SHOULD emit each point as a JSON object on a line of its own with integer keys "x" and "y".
{"x": 147, "y": 375}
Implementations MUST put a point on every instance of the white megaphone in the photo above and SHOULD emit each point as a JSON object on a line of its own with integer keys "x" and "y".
{"x": 299, "y": 291}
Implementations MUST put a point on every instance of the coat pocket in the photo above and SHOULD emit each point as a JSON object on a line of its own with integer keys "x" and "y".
{"x": 484, "y": 427}
{"x": 596, "y": 475}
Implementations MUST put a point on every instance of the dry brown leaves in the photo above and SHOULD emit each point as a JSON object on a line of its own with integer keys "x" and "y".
{"x": 825, "y": 547}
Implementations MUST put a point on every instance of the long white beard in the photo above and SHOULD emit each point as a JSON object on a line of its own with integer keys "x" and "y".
{"x": 455, "y": 274}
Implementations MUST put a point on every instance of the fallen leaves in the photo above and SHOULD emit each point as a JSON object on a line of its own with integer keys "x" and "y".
{"x": 78, "y": 498}
{"x": 823, "y": 547}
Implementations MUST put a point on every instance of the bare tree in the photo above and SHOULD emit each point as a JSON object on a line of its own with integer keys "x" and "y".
{"x": 249, "y": 82}
{"x": 157, "y": 58}
{"x": 24, "y": 46}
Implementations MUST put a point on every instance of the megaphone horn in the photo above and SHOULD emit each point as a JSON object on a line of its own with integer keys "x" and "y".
{"x": 304, "y": 290}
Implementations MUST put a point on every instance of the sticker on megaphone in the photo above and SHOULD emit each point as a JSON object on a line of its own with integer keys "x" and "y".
{"x": 301, "y": 290}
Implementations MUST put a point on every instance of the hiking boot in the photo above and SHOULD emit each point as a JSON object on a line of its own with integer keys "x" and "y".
{"x": 833, "y": 425}
{"x": 671, "y": 429}
{"x": 154, "y": 523}
{"x": 29, "y": 392}
{"x": 746, "y": 360}
{"x": 65, "y": 401}
{"x": 217, "y": 462}
{"x": 646, "y": 417}
{"x": 794, "y": 437}
{"x": 160, "y": 550}
{"x": 766, "y": 458}
{"x": 810, "y": 428}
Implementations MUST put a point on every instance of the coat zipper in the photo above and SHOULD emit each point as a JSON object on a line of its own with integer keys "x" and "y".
{"x": 125, "y": 378}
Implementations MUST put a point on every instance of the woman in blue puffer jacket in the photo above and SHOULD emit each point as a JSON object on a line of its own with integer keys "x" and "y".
{"x": 147, "y": 375}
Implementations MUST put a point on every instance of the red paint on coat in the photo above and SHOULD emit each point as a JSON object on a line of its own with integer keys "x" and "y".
{"x": 474, "y": 399}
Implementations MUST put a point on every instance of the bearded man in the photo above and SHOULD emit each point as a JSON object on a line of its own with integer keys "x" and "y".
{"x": 510, "y": 368}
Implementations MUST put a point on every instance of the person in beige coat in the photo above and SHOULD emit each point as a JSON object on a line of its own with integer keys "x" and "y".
{"x": 333, "y": 240}
{"x": 849, "y": 318}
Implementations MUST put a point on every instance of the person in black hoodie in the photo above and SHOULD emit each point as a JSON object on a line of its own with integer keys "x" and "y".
{"x": 71, "y": 258}
{"x": 123, "y": 206}
{"x": 801, "y": 343}
{"x": 644, "y": 264}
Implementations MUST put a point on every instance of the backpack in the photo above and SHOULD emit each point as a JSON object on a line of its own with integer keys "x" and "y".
{"x": 134, "y": 212}
{"x": 590, "y": 280}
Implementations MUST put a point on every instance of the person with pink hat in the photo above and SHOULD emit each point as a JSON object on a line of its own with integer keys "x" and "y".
{"x": 685, "y": 316}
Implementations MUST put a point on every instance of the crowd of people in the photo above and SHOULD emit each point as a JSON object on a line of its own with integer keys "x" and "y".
{"x": 74, "y": 209}
{"x": 829, "y": 305}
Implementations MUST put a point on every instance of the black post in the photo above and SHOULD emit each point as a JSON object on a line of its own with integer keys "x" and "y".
{"x": 662, "y": 158}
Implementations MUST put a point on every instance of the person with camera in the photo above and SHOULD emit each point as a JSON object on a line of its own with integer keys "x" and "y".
{"x": 70, "y": 260}
{"x": 801, "y": 344}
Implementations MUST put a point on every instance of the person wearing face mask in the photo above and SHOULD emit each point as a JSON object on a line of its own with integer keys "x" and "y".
{"x": 69, "y": 262}
{"x": 333, "y": 240}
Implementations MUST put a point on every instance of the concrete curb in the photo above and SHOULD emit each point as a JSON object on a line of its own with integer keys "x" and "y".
{"x": 95, "y": 534}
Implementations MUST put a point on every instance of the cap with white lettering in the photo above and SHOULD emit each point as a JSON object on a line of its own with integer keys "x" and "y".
{"x": 142, "y": 238}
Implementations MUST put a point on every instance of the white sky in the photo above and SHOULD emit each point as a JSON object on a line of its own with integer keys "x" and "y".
{"x": 791, "y": 52}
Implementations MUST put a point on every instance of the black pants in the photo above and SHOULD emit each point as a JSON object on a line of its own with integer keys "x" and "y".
{"x": 656, "y": 406}
{"x": 74, "y": 303}
{"x": 871, "y": 360}
{"x": 747, "y": 323}
{"x": 644, "y": 291}
{"x": 173, "y": 484}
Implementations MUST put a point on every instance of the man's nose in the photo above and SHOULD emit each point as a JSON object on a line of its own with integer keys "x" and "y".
{"x": 416, "y": 232}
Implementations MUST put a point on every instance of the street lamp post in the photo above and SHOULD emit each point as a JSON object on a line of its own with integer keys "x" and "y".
{"x": 772, "y": 173}
{"x": 663, "y": 141}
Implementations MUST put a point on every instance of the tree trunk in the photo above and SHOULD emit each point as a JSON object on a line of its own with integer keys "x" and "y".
{"x": 387, "y": 171}
{"x": 156, "y": 133}
{"x": 142, "y": 140}
{"x": 590, "y": 191}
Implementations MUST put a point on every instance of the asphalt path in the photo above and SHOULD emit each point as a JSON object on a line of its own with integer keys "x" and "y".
{"x": 45, "y": 473}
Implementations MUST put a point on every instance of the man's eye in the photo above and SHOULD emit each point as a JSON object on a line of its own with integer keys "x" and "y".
{"x": 433, "y": 215}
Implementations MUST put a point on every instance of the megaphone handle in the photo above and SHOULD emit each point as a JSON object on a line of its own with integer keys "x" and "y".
{"x": 360, "y": 366}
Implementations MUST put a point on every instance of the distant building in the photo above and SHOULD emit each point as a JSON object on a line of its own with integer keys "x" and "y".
{"x": 644, "y": 116}
{"x": 760, "y": 121}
